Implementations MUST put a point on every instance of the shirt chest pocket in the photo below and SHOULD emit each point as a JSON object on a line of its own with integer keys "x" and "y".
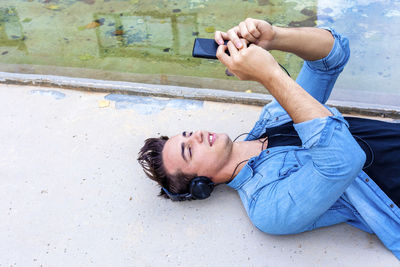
{"x": 290, "y": 164}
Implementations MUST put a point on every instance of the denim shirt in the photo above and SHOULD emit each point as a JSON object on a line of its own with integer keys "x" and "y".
{"x": 288, "y": 189}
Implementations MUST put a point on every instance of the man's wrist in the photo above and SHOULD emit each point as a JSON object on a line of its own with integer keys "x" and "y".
{"x": 271, "y": 77}
{"x": 273, "y": 44}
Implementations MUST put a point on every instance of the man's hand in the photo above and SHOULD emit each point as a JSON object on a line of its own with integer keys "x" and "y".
{"x": 255, "y": 31}
{"x": 249, "y": 63}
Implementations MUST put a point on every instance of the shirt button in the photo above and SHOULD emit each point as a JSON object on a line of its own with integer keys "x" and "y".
{"x": 367, "y": 180}
{"x": 267, "y": 151}
{"x": 276, "y": 118}
{"x": 391, "y": 205}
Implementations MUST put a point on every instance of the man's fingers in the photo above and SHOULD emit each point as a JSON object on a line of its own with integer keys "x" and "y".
{"x": 245, "y": 43}
{"x": 245, "y": 33}
{"x": 232, "y": 48}
{"x": 234, "y": 35}
{"x": 224, "y": 35}
{"x": 222, "y": 56}
{"x": 252, "y": 28}
{"x": 219, "y": 37}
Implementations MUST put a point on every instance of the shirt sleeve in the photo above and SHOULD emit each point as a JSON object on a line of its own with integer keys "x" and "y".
{"x": 319, "y": 76}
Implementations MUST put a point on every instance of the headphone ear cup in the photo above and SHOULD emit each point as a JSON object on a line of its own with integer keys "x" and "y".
{"x": 201, "y": 187}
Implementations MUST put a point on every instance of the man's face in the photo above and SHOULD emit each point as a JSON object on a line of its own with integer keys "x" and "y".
{"x": 201, "y": 153}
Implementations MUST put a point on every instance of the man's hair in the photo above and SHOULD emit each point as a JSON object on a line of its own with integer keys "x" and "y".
{"x": 150, "y": 158}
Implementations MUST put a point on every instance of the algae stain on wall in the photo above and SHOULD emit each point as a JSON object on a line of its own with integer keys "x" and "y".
{"x": 137, "y": 36}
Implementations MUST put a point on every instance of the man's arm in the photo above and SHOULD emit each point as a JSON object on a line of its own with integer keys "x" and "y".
{"x": 307, "y": 43}
{"x": 257, "y": 64}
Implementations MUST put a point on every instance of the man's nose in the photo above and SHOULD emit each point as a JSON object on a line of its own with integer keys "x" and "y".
{"x": 198, "y": 136}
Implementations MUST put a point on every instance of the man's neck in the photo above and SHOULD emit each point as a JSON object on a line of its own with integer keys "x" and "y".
{"x": 242, "y": 151}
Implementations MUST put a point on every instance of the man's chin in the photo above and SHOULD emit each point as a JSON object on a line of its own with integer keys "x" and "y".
{"x": 226, "y": 139}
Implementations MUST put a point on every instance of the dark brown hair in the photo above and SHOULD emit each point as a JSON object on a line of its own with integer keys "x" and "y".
{"x": 150, "y": 158}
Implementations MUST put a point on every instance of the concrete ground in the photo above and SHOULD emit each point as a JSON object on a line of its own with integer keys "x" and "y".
{"x": 73, "y": 193}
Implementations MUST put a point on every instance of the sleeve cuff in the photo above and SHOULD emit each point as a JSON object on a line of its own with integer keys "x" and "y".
{"x": 337, "y": 57}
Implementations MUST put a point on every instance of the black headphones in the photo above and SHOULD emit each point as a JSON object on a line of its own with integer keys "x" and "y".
{"x": 199, "y": 188}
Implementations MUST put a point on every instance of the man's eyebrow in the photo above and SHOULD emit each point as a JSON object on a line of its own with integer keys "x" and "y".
{"x": 183, "y": 151}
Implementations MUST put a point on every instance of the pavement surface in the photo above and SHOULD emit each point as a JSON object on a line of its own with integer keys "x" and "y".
{"x": 73, "y": 193}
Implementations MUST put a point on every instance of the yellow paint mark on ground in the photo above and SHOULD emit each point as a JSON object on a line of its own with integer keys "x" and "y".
{"x": 103, "y": 103}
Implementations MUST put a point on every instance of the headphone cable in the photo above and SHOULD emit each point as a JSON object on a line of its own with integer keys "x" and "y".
{"x": 262, "y": 146}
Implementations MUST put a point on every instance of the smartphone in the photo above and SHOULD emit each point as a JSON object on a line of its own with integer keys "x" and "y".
{"x": 206, "y": 48}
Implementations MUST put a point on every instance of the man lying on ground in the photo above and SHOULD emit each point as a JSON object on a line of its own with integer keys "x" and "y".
{"x": 302, "y": 166}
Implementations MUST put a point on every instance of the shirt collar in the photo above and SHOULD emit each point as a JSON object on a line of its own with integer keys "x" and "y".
{"x": 241, "y": 178}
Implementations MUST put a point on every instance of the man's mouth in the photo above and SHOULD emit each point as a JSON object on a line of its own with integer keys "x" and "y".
{"x": 211, "y": 138}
